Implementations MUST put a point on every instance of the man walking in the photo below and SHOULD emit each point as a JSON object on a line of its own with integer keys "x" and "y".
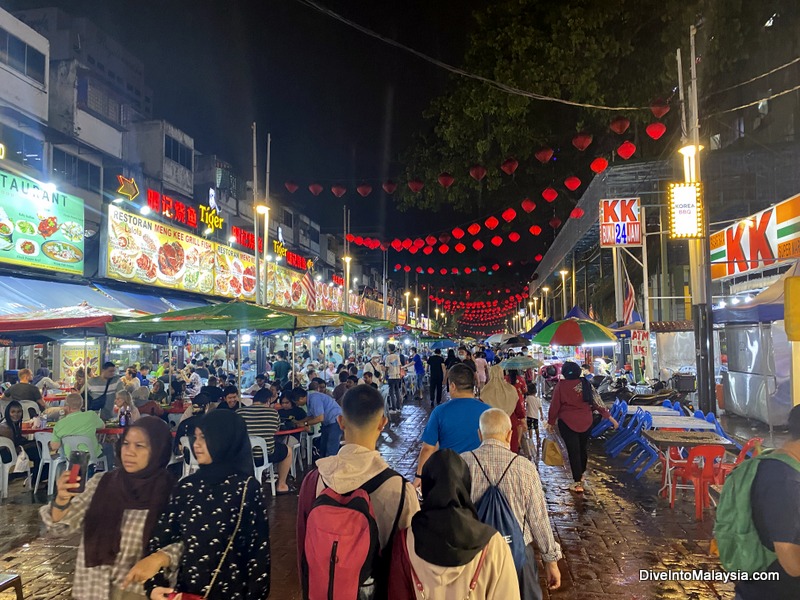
{"x": 419, "y": 371}
{"x": 493, "y": 463}
{"x": 394, "y": 375}
{"x": 436, "y": 372}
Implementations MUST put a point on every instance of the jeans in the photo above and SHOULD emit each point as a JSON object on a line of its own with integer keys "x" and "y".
{"x": 420, "y": 383}
{"x": 577, "y": 443}
{"x": 329, "y": 440}
{"x": 529, "y": 586}
{"x": 436, "y": 391}
{"x": 395, "y": 400}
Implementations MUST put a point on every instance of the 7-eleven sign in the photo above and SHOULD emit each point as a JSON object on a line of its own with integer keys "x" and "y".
{"x": 620, "y": 222}
{"x": 758, "y": 241}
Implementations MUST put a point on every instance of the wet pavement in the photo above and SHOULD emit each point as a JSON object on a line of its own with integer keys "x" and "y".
{"x": 617, "y": 528}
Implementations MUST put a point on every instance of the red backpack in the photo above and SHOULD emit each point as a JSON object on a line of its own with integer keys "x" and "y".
{"x": 339, "y": 548}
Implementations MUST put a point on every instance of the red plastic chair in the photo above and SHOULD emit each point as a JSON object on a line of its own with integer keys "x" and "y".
{"x": 675, "y": 460}
{"x": 699, "y": 476}
{"x": 753, "y": 445}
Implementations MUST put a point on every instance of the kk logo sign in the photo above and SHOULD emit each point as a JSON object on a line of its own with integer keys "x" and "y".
{"x": 620, "y": 222}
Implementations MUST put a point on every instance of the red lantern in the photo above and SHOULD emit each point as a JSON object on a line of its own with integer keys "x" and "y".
{"x": 446, "y": 180}
{"x": 444, "y": 237}
{"x": 350, "y": 237}
{"x": 419, "y": 243}
{"x": 495, "y": 267}
{"x": 528, "y": 205}
{"x": 544, "y": 155}
{"x": 398, "y": 266}
{"x": 459, "y": 248}
{"x": 389, "y": 187}
{"x": 467, "y": 270}
{"x": 491, "y": 222}
{"x": 407, "y": 269}
{"x": 513, "y": 236}
{"x": 474, "y": 229}
{"x": 509, "y": 215}
{"x": 415, "y": 185}
{"x": 428, "y": 250}
{"x": 407, "y": 243}
{"x": 443, "y": 271}
{"x": 458, "y": 233}
{"x": 443, "y": 249}
{"x": 659, "y": 107}
{"x": 454, "y": 271}
{"x": 419, "y": 269}
{"x": 582, "y": 140}
{"x": 535, "y": 230}
{"x": 358, "y": 240}
{"x": 577, "y": 213}
{"x": 315, "y": 189}
{"x": 413, "y": 249}
{"x": 291, "y": 186}
{"x": 338, "y": 190}
{"x": 384, "y": 246}
{"x": 477, "y": 172}
{"x": 599, "y": 164}
{"x": 397, "y": 244}
{"x": 482, "y": 269}
{"x": 619, "y": 125}
{"x": 656, "y": 130}
{"x": 431, "y": 271}
{"x": 478, "y": 245}
{"x": 538, "y": 258}
{"x": 364, "y": 190}
{"x": 430, "y": 240}
{"x": 509, "y": 166}
{"x": 626, "y": 150}
{"x": 549, "y": 194}
{"x": 572, "y": 183}
{"x": 555, "y": 222}
{"x": 496, "y": 240}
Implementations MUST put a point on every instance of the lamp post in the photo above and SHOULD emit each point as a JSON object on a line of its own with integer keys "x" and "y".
{"x": 545, "y": 289}
{"x": 530, "y": 313}
{"x": 536, "y": 307}
{"x": 563, "y": 273}
{"x": 262, "y": 209}
{"x": 407, "y": 295}
{"x": 437, "y": 316}
{"x": 346, "y": 286}
{"x": 416, "y": 310}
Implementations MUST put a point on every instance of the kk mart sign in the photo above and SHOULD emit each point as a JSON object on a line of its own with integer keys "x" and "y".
{"x": 757, "y": 242}
{"x": 620, "y": 222}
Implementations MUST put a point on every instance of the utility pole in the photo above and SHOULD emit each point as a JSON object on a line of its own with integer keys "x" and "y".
{"x": 255, "y": 217}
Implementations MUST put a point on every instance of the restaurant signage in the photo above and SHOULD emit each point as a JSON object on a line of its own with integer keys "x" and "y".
{"x": 184, "y": 213}
{"x": 758, "y": 241}
{"x": 338, "y": 280}
{"x": 620, "y": 222}
{"x": 40, "y": 228}
{"x": 140, "y": 250}
{"x": 292, "y": 259}
{"x": 686, "y": 210}
{"x": 640, "y": 341}
{"x": 247, "y": 239}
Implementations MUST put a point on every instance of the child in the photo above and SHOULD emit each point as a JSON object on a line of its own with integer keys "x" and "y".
{"x": 533, "y": 411}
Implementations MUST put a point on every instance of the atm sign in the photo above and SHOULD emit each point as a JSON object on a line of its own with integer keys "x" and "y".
{"x": 620, "y": 222}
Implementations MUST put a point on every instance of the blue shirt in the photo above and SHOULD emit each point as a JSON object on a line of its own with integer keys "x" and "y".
{"x": 322, "y": 404}
{"x": 454, "y": 425}
{"x": 419, "y": 368}
{"x": 489, "y": 356}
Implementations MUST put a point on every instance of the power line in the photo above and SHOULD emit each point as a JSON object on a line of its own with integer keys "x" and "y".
{"x": 457, "y": 71}
{"x": 755, "y": 102}
{"x": 756, "y": 78}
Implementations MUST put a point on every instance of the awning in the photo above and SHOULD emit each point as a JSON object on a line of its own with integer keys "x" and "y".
{"x": 153, "y": 303}
{"x": 19, "y": 295}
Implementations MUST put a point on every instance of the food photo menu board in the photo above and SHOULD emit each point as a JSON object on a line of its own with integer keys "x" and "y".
{"x": 40, "y": 228}
{"x": 144, "y": 251}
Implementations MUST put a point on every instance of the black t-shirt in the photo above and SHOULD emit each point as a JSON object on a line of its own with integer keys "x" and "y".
{"x": 287, "y": 422}
{"x": 213, "y": 392}
{"x": 435, "y": 363}
{"x": 775, "y": 497}
{"x": 202, "y": 373}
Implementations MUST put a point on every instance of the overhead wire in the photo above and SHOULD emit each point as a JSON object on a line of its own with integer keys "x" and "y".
{"x": 752, "y": 79}
{"x": 754, "y": 102}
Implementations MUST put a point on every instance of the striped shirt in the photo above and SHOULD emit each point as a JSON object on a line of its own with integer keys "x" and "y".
{"x": 521, "y": 487}
{"x": 262, "y": 421}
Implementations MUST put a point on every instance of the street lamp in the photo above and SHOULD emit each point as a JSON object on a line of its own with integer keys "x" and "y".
{"x": 262, "y": 209}
{"x": 437, "y": 316}
{"x": 416, "y": 310}
{"x": 563, "y": 273}
{"x": 530, "y": 312}
{"x": 407, "y": 295}
{"x": 346, "y": 285}
{"x": 545, "y": 289}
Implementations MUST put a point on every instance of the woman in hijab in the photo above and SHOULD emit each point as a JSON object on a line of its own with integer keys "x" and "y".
{"x": 11, "y": 428}
{"x": 499, "y": 393}
{"x": 572, "y": 406}
{"x": 218, "y": 515}
{"x": 116, "y": 512}
{"x": 447, "y": 549}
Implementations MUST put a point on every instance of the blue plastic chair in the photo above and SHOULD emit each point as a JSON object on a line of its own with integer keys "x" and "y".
{"x": 604, "y": 425}
{"x": 624, "y": 431}
{"x": 677, "y": 407}
{"x": 639, "y": 443}
{"x": 698, "y": 414}
{"x": 639, "y": 420}
{"x": 710, "y": 418}
{"x": 666, "y": 404}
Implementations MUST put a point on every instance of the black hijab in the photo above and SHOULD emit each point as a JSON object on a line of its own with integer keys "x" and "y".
{"x": 16, "y": 426}
{"x": 118, "y": 491}
{"x": 572, "y": 371}
{"x": 228, "y": 444}
{"x": 447, "y": 531}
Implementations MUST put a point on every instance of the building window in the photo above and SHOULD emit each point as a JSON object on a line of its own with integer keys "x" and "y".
{"x": 177, "y": 152}
{"x": 96, "y": 98}
{"x": 313, "y": 235}
{"x": 22, "y": 149}
{"x": 288, "y": 218}
{"x": 75, "y": 171}
{"x": 21, "y": 57}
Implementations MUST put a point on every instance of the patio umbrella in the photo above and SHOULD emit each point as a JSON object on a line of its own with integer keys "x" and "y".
{"x": 574, "y": 332}
{"x": 498, "y": 338}
{"x": 443, "y": 344}
{"x": 515, "y": 342}
{"x": 520, "y": 363}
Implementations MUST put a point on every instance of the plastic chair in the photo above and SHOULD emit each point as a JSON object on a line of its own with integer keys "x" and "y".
{"x": 6, "y": 468}
{"x": 310, "y": 446}
{"x": 698, "y": 414}
{"x": 192, "y": 465}
{"x": 297, "y": 458}
{"x": 640, "y": 445}
{"x": 752, "y": 447}
{"x": 666, "y": 404}
{"x": 81, "y": 442}
{"x": 700, "y": 476}
{"x": 620, "y": 441}
{"x": 29, "y": 409}
{"x": 676, "y": 406}
{"x": 261, "y": 443}
{"x": 43, "y": 439}
{"x": 604, "y": 425}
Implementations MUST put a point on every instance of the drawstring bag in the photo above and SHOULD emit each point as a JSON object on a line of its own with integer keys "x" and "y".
{"x": 551, "y": 453}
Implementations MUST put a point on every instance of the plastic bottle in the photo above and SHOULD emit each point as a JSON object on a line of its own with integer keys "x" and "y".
{"x": 123, "y": 418}
{"x": 128, "y": 417}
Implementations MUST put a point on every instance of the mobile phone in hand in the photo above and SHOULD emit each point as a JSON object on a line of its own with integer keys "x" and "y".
{"x": 78, "y": 467}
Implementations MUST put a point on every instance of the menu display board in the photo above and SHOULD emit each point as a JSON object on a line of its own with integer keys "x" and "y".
{"x": 72, "y": 359}
{"x": 40, "y": 228}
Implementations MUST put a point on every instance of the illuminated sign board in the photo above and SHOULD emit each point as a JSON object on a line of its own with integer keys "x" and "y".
{"x": 180, "y": 212}
{"x": 2, "y": 151}
{"x": 292, "y": 259}
{"x": 337, "y": 280}
{"x": 247, "y": 238}
{"x": 758, "y": 241}
{"x": 620, "y": 222}
{"x": 686, "y": 210}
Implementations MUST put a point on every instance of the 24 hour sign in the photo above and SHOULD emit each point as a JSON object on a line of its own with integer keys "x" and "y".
{"x": 620, "y": 222}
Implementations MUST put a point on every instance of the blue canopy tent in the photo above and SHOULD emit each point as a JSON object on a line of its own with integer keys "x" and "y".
{"x": 443, "y": 344}
{"x": 577, "y": 312}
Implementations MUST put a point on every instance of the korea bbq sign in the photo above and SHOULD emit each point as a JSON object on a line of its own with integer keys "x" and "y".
{"x": 620, "y": 222}
{"x": 757, "y": 242}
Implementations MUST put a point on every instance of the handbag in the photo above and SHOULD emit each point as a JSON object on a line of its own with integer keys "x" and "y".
{"x": 551, "y": 453}
{"x": 187, "y": 596}
{"x": 23, "y": 464}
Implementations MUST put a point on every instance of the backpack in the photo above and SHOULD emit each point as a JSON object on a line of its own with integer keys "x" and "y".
{"x": 340, "y": 553}
{"x": 493, "y": 509}
{"x": 740, "y": 547}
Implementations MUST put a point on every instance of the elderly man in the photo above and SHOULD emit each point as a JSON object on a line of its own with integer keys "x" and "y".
{"x": 518, "y": 479}
{"x": 23, "y": 390}
{"x": 75, "y": 422}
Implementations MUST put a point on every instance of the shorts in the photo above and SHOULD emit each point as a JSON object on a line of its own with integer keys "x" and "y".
{"x": 533, "y": 423}
{"x": 279, "y": 454}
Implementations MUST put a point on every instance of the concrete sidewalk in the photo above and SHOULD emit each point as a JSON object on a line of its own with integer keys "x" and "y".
{"x": 616, "y": 529}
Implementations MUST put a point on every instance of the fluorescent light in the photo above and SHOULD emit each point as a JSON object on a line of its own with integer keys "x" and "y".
{"x": 77, "y": 343}
{"x": 232, "y": 239}
{"x": 246, "y": 337}
{"x": 117, "y": 201}
{"x": 144, "y": 209}
{"x": 208, "y": 231}
{"x": 130, "y": 346}
{"x": 734, "y": 301}
{"x": 312, "y": 338}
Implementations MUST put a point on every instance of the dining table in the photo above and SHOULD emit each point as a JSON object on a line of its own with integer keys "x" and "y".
{"x": 677, "y": 422}
{"x": 654, "y": 410}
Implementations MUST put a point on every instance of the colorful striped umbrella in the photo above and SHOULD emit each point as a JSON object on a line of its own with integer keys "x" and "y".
{"x": 574, "y": 332}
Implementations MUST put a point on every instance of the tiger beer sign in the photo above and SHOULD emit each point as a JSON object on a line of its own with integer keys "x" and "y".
{"x": 757, "y": 242}
{"x": 620, "y": 222}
